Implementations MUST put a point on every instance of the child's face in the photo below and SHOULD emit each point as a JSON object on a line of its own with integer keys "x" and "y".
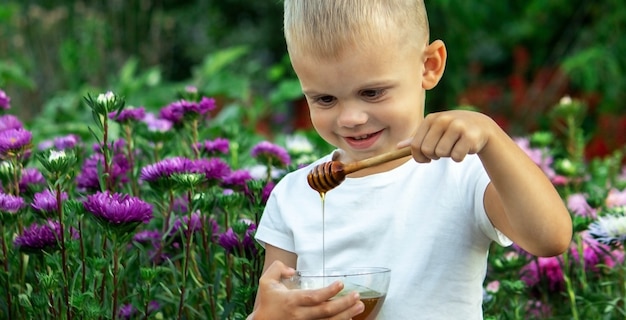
{"x": 365, "y": 102}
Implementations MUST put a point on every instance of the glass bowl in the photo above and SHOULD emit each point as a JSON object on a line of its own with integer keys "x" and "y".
{"x": 370, "y": 282}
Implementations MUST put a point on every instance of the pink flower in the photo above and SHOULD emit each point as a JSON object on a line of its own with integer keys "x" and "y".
{"x": 616, "y": 198}
{"x": 577, "y": 203}
{"x": 544, "y": 268}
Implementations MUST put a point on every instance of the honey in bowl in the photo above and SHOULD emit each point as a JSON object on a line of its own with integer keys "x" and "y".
{"x": 371, "y": 284}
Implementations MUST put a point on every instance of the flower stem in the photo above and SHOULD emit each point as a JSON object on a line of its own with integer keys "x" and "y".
{"x": 5, "y": 258}
{"x": 115, "y": 279}
{"x": 570, "y": 289}
{"x": 131, "y": 159}
{"x": 188, "y": 239}
{"x": 66, "y": 294}
{"x": 82, "y": 256}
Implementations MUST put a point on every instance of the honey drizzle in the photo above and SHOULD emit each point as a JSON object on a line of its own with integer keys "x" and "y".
{"x": 323, "y": 198}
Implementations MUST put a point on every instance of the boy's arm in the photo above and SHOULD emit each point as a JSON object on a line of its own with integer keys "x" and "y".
{"x": 521, "y": 201}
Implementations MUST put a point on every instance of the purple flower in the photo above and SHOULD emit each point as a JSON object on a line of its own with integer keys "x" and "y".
{"x": 10, "y": 203}
{"x": 14, "y": 140}
{"x": 191, "y": 224}
{"x": 267, "y": 191}
{"x": 5, "y": 100}
{"x": 237, "y": 179}
{"x": 127, "y": 311}
{"x": 66, "y": 142}
{"x": 89, "y": 178}
{"x": 117, "y": 208}
{"x": 176, "y": 111}
{"x": 36, "y": 238}
{"x": 239, "y": 243}
{"x": 165, "y": 168}
{"x": 31, "y": 177}
{"x": 45, "y": 202}
{"x": 271, "y": 154}
{"x": 147, "y": 236}
{"x": 544, "y": 268}
{"x": 213, "y": 169}
{"x": 212, "y": 147}
{"x": 129, "y": 114}
{"x": 156, "y": 124}
{"x": 9, "y": 121}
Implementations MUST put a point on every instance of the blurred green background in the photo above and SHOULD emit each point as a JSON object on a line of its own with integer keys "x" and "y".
{"x": 510, "y": 59}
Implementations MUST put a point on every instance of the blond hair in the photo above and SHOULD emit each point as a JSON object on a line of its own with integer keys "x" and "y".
{"x": 326, "y": 28}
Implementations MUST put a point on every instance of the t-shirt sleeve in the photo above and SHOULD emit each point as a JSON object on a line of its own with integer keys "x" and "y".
{"x": 272, "y": 228}
{"x": 479, "y": 209}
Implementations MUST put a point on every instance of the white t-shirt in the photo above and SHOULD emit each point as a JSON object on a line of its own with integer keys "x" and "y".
{"x": 426, "y": 222}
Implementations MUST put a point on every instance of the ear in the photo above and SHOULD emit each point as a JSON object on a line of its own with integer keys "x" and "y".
{"x": 435, "y": 56}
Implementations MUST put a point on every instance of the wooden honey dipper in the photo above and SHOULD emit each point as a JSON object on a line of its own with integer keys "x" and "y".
{"x": 326, "y": 176}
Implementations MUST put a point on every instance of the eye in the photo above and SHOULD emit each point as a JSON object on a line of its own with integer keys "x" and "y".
{"x": 324, "y": 100}
{"x": 372, "y": 94}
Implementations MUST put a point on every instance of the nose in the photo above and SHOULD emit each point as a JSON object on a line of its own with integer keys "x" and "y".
{"x": 351, "y": 115}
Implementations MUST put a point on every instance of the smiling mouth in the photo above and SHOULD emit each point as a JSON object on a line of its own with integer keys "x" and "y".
{"x": 361, "y": 137}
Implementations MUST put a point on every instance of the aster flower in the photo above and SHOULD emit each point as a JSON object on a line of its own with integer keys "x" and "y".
{"x": 120, "y": 212}
{"x": 193, "y": 223}
{"x": 548, "y": 268}
{"x": 616, "y": 198}
{"x": 10, "y": 204}
{"x": 14, "y": 141}
{"x": 147, "y": 236}
{"x": 213, "y": 168}
{"x": 5, "y": 100}
{"x": 37, "y": 238}
{"x": 237, "y": 179}
{"x": 105, "y": 103}
{"x": 31, "y": 179}
{"x": 177, "y": 111}
{"x": 271, "y": 154}
{"x": 298, "y": 144}
{"x": 239, "y": 240}
{"x": 45, "y": 202}
{"x": 577, "y": 203}
{"x": 213, "y": 147}
{"x": 66, "y": 142}
{"x": 127, "y": 311}
{"x": 9, "y": 121}
{"x": 610, "y": 228}
{"x": 159, "y": 174}
{"x": 89, "y": 177}
{"x": 129, "y": 114}
{"x": 157, "y": 124}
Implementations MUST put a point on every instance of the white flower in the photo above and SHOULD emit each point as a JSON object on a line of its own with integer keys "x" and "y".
{"x": 105, "y": 98}
{"x": 56, "y": 155}
{"x": 566, "y": 100}
{"x": 298, "y": 144}
{"x": 610, "y": 229}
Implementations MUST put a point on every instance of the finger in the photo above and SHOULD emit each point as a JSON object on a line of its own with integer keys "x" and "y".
{"x": 276, "y": 271}
{"x": 416, "y": 143}
{"x": 344, "y": 307}
{"x": 431, "y": 140}
{"x": 351, "y": 312}
{"x": 447, "y": 143}
{"x": 311, "y": 297}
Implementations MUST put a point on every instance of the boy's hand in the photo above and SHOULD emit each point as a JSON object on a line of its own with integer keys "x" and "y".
{"x": 452, "y": 134}
{"x": 275, "y": 301}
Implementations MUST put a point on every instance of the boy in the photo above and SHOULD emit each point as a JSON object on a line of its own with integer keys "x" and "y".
{"x": 364, "y": 67}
